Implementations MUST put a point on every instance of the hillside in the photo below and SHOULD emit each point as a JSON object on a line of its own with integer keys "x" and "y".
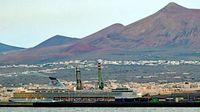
{"x": 173, "y": 26}
{"x": 57, "y": 40}
{"x": 171, "y": 33}
{"x": 6, "y": 48}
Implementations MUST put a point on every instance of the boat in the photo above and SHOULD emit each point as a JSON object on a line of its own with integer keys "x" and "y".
{"x": 77, "y": 96}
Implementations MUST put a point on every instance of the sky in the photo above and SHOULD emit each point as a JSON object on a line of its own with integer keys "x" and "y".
{"x": 26, "y": 23}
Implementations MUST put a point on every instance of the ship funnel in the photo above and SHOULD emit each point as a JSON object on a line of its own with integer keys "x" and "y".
{"x": 56, "y": 82}
{"x": 78, "y": 79}
{"x": 100, "y": 79}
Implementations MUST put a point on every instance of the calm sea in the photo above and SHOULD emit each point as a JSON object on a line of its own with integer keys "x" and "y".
{"x": 86, "y": 109}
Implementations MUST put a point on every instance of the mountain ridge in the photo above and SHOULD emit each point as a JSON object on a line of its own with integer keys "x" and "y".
{"x": 170, "y": 28}
{"x": 8, "y": 48}
{"x": 57, "y": 40}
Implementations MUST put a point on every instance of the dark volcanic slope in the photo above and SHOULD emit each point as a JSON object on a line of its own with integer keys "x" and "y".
{"x": 173, "y": 25}
{"x": 5, "y": 48}
{"x": 57, "y": 40}
{"x": 103, "y": 40}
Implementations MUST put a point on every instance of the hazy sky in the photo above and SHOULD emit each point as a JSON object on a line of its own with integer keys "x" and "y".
{"x": 26, "y": 23}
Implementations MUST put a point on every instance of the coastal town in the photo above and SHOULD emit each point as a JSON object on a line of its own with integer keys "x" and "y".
{"x": 55, "y": 66}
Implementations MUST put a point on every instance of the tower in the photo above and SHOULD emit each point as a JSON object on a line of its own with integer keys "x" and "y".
{"x": 100, "y": 79}
{"x": 78, "y": 79}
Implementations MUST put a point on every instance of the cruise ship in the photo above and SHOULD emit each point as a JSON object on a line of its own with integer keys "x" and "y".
{"x": 77, "y": 96}
{"x": 58, "y": 94}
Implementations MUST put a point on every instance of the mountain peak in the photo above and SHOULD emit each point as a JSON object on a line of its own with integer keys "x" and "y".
{"x": 172, "y": 4}
{"x": 57, "y": 40}
{"x": 173, "y": 7}
{"x": 114, "y": 27}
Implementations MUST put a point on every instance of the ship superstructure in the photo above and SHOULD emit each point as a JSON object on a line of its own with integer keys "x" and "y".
{"x": 55, "y": 95}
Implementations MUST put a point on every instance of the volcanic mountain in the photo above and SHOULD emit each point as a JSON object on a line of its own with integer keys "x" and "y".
{"x": 6, "y": 48}
{"x": 57, "y": 40}
{"x": 50, "y": 49}
{"x": 173, "y": 25}
{"x": 171, "y": 28}
{"x": 172, "y": 31}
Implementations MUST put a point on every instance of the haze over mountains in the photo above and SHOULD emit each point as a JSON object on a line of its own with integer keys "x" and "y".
{"x": 173, "y": 31}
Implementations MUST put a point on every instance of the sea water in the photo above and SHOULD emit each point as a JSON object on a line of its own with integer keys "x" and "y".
{"x": 100, "y": 109}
